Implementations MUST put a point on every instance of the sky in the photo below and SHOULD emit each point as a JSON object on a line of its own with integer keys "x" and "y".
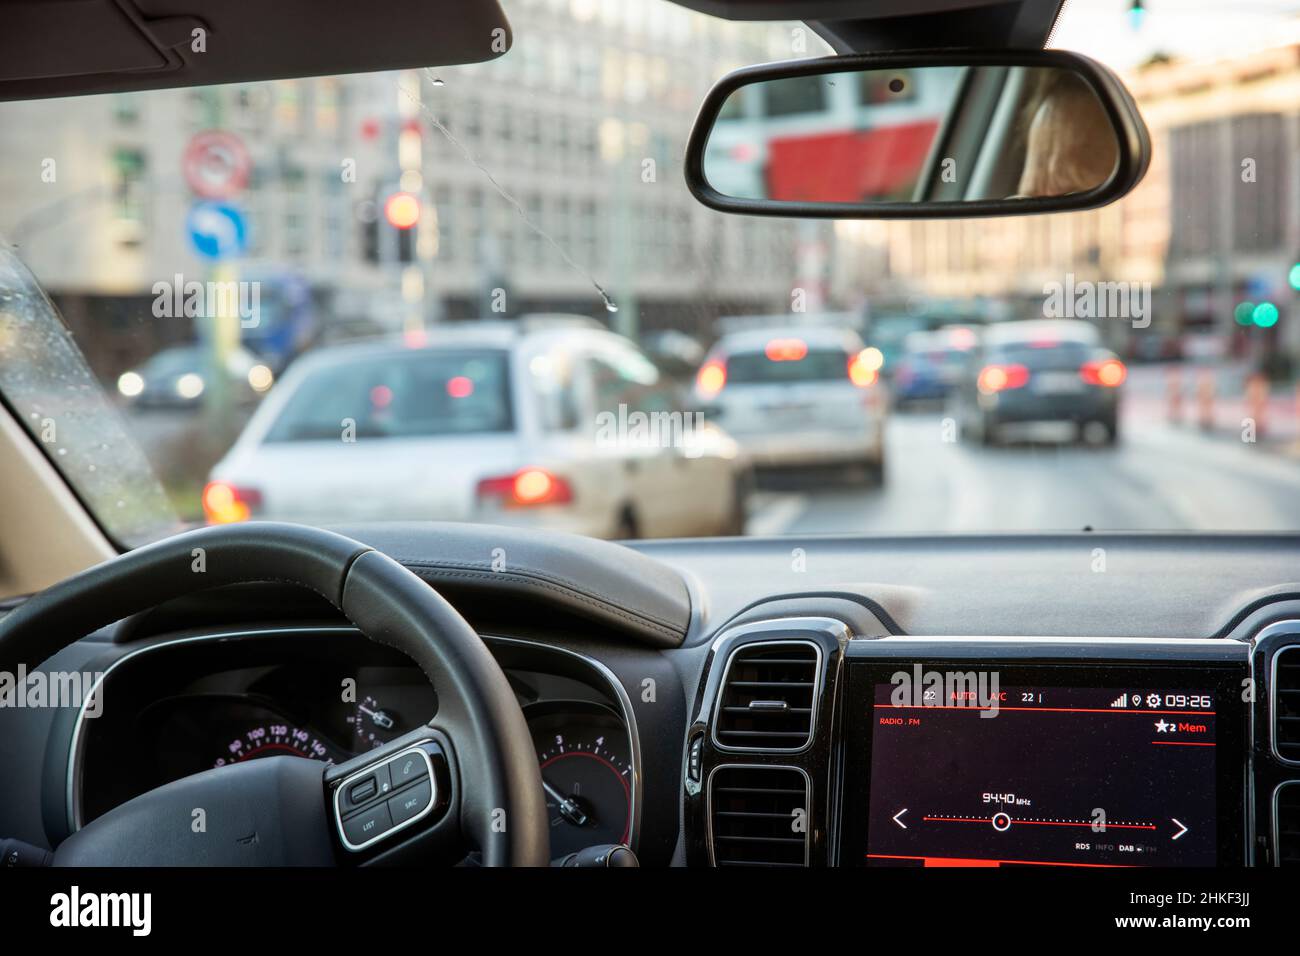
{"x": 1193, "y": 29}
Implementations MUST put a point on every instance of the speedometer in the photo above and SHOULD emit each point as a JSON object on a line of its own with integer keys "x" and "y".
{"x": 272, "y": 739}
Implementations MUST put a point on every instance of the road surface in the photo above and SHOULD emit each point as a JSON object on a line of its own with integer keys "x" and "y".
{"x": 1158, "y": 477}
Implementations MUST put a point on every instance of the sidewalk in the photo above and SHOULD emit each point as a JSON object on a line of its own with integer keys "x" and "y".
{"x": 1277, "y": 430}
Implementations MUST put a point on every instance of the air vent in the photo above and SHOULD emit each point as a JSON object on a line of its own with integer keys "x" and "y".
{"x": 769, "y": 697}
{"x": 759, "y": 816}
{"x": 1286, "y": 823}
{"x": 1286, "y": 703}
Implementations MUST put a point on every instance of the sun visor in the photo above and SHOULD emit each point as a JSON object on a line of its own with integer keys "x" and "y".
{"x": 71, "y": 47}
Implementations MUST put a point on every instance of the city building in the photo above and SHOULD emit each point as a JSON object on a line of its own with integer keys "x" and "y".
{"x": 1214, "y": 223}
{"x": 539, "y": 176}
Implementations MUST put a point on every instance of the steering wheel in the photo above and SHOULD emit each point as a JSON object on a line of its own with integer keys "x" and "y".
{"x": 466, "y": 781}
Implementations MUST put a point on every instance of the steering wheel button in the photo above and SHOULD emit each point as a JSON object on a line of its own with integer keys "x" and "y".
{"x": 407, "y": 767}
{"x": 367, "y": 825}
{"x": 359, "y": 793}
{"x": 410, "y": 803}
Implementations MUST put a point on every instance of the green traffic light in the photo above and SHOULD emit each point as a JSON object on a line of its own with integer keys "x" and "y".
{"x": 1294, "y": 277}
{"x": 1244, "y": 313}
{"x": 1265, "y": 315}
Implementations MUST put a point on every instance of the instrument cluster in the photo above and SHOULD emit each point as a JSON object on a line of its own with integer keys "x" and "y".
{"x": 190, "y": 714}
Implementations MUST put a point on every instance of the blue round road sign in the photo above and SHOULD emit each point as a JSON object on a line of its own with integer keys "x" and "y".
{"x": 217, "y": 230}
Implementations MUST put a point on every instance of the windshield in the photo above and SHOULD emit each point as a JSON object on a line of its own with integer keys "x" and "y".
{"x": 483, "y": 293}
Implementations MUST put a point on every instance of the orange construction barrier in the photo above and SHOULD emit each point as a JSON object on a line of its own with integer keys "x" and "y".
{"x": 1257, "y": 402}
{"x": 1297, "y": 410}
{"x": 1205, "y": 400}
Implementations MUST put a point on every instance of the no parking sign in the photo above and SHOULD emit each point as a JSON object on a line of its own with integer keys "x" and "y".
{"x": 216, "y": 164}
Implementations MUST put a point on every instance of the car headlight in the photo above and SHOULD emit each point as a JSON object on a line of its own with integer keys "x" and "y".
{"x": 189, "y": 385}
{"x": 130, "y": 384}
{"x": 260, "y": 378}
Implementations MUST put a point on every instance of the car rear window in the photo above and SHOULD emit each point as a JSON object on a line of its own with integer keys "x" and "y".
{"x": 416, "y": 394}
{"x": 818, "y": 365}
{"x": 1044, "y": 355}
{"x": 938, "y": 357}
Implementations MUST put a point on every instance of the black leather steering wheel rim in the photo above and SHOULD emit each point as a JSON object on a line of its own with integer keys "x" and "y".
{"x": 499, "y": 781}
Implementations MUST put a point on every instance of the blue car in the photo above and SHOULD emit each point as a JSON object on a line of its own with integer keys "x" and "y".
{"x": 929, "y": 368}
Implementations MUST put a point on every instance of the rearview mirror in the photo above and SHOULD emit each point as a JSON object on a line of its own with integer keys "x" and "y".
{"x": 921, "y": 135}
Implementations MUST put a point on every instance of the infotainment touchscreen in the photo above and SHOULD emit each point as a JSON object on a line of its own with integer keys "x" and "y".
{"x": 948, "y": 765}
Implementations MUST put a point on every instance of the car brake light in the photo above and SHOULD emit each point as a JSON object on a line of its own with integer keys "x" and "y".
{"x": 711, "y": 377}
{"x": 525, "y": 488}
{"x": 786, "y": 350}
{"x": 460, "y": 386}
{"x": 744, "y": 153}
{"x": 1108, "y": 372}
{"x": 962, "y": 338}
{"x": 997, "y": 378}
{"x": 864, "y": 368}
{"x": 224, "y": 503}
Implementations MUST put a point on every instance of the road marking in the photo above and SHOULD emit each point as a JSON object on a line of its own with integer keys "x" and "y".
{"x": 775, "y": 513}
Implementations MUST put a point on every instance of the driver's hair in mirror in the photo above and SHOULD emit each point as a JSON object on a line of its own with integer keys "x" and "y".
{"x": 1070, "y": 144}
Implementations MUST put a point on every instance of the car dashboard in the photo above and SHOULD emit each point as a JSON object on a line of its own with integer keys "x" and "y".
{"x": 830, "y": 722}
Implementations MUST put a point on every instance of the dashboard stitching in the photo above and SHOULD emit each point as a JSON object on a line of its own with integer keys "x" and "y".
{"x": 638, "y": 617}
{"x": 1243, "y": 614}
{"x": 878, "y": 610}
{"x": 531, "y": 576}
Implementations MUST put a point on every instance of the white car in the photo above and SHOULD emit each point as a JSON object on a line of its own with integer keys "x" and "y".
{"x": 539, "y": 422}
{"x": 798, "y": 396}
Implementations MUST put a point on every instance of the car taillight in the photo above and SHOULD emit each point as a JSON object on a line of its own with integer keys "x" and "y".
{"x": 523, "y": 489}
{"x": 711, "y": 377}
{"x": 786, "y": 350}
{"x": 962, "y": 339}
{"x": 998, "y": 378}
{"x": 864, "y": 367}
{"x": 1108, "y": 372}
{"x": 744, "y": 153}
{"x": 224, "y": 503}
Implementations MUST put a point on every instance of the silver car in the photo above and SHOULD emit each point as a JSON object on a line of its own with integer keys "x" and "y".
{"x": 541, "y": 422}
{"x": 798, "y": 396}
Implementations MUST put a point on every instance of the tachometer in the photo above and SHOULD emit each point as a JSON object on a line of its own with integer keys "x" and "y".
{"x": 587, "y": 775}
{"x": 372, "y": 725}
{"x": 271, "y": 739}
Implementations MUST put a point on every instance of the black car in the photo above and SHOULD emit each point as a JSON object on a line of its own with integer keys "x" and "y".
{"x": 1037, "y": 372}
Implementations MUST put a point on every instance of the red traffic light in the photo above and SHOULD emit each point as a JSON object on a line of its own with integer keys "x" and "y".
{"x": 402, "y": 210}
